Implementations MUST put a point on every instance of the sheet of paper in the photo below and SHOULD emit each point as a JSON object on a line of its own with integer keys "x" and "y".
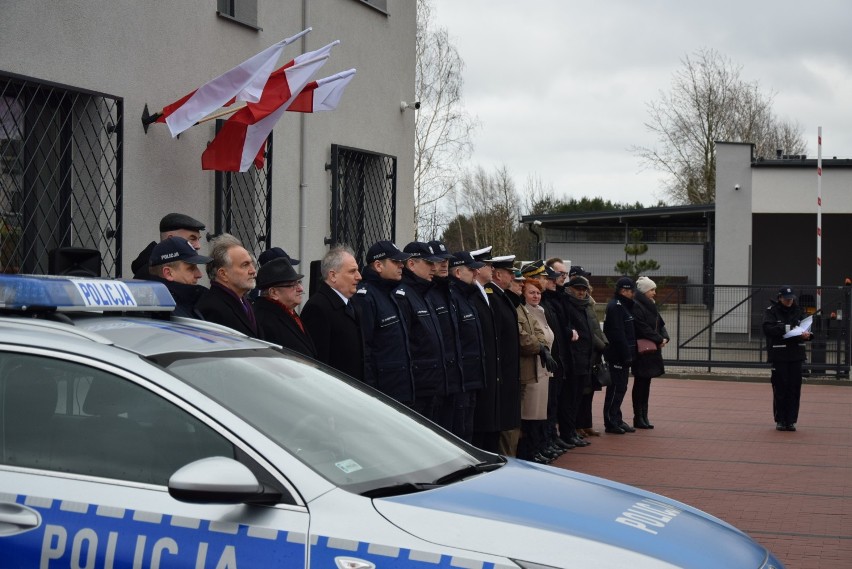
{"x": 804, "y": 326}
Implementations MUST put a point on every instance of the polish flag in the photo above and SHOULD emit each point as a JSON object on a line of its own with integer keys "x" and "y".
{"x": 240, "y": 141}
{"x": 244, "y": 82}
{"x": 323, "y": 94}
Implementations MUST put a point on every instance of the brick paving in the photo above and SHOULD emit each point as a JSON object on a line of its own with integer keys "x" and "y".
{"x": 715, "y": 447}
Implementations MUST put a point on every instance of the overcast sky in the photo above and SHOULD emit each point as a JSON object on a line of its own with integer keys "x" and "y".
{"x": 560, "y": 87}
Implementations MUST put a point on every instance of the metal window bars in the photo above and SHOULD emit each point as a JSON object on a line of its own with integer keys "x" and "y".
{"x": 60, "y": 173}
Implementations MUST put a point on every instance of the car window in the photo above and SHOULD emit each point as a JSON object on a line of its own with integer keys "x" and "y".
{"x": 350, "y": 434}
{"x": 66, "y": 417}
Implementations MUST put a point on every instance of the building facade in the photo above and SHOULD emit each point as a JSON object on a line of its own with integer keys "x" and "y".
{"x": 78, "y": 169}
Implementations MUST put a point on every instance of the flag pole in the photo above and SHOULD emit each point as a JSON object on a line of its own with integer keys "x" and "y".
{"x": 223, "y": 113}
{"x": 819, "y": 221}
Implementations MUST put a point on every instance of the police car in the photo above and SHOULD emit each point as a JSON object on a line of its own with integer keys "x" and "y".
{"x": 130, "y": 438}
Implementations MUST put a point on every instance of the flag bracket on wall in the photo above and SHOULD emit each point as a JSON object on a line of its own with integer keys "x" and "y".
{"x": 148, "y": 118}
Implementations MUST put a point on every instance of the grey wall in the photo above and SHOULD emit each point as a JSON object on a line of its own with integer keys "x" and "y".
{"x": 157, "y": 51}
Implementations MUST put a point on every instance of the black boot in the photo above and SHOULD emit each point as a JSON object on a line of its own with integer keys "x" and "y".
{"x": 645, "y": 417}
{"x": 639, "y": 419}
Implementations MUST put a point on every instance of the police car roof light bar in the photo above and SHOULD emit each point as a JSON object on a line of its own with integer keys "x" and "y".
{"x": 70, "y": 294}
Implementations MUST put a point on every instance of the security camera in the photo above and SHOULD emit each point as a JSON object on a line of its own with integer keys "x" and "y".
{"x": 737, "y": 187}
{"x": 403, "y": 105}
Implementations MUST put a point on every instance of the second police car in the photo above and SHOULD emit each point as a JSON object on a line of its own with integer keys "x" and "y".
{"x": 134, "y": 441}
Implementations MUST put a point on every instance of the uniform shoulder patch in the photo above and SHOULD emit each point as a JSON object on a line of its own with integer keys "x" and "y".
{"x": 488, "y": 290}
{"x": 361, "y": 291}
{"x": 399, "y": 291}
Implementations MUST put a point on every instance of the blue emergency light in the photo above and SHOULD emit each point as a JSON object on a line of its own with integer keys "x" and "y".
{"x": 75, "y": 294}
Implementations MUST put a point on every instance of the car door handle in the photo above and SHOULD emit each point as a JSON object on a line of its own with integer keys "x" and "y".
{"x": 15, "y": 518}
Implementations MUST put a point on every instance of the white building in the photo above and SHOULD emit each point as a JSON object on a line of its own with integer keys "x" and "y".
{"x": 78, "y": 169}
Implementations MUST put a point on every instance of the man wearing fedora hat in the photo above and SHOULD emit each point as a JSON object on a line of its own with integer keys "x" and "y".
{"x": 174, "y": 263}
{"x": 280, "y": 293}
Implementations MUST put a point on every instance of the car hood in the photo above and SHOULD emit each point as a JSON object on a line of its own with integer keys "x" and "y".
{"x": 562, "y": 518}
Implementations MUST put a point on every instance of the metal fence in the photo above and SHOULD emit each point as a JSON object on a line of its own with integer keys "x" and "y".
{"x": 243, "y": 203}
{"x": 60, "y": 173}
{"x": 726, "y": 330}
{"x": 363, "y": 198}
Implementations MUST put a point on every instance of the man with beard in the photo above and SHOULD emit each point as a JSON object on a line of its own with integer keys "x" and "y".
{"x": 232, "y": 276}
{"x": 387, "y": 362}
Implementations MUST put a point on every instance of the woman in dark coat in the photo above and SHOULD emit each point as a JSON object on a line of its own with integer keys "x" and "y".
{"x": 650, "y": 326}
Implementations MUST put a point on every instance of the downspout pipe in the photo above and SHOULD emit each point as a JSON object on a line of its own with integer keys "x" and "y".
{"x": 303, "y": 185}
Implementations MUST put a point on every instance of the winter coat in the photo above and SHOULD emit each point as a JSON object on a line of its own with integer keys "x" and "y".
{"x": 650, "y": 326}
{"x": 534, "y": 399}
{"x": 775, "y": 320}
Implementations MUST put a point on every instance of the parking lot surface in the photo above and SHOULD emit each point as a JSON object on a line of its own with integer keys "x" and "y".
{"x": 715, "y": 447}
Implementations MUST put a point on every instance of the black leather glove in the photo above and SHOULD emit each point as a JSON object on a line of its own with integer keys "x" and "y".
{"x": 547, "y": 360}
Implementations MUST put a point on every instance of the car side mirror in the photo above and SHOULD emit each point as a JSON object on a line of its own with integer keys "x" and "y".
{"x": 218, "y": 480}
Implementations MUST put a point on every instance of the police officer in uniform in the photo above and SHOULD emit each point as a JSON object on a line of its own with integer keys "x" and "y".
{"x": 425, "y": 344}
{"x": 463, "y": 295}
{"x": 387, "y": 362}
{"x": 786, "y": 355}
{"x": 619, "y": 331}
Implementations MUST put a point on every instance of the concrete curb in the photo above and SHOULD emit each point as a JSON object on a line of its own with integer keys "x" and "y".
{"x": 754, "y": 378}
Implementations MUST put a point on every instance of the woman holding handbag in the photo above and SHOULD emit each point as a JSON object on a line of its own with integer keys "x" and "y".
{"x": 651, "y": 336}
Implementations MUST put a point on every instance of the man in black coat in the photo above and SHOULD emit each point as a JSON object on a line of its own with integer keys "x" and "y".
{"x": 330, "y": 317}
{"x": 232, "y": 275}
{"x": 171, "y": 225}
{"x": 786, "y": 354}
{"x": 486, "y": 413}
{"x": 175, "y": 264}
{"x": 506, "y": 323}
{"x": 619, "y": 354}
{"x": 280, "y": 293}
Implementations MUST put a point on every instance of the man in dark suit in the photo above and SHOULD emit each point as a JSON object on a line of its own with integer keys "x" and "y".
{"x": 232, "y": 275}
{"x": 330, "y": 318}
{"x": 280, "y": 293}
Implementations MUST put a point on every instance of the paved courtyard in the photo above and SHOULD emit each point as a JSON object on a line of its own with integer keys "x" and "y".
{"x": 715, "y": 447}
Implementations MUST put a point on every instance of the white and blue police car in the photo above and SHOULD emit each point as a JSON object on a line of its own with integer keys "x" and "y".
{"x": 130, "y": 439}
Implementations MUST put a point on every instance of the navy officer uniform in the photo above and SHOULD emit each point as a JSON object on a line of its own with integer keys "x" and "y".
{"x": 620, "y": 353}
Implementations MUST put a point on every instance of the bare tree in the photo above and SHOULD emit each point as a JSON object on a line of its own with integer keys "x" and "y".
{"x": 442, "y": 126}
{"x": 709, "y": 102}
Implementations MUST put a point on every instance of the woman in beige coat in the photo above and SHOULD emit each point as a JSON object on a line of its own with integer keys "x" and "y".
{"x": 536, "y": 339}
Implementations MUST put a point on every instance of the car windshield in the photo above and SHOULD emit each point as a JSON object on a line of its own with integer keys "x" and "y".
{"x": 350, "y": 434}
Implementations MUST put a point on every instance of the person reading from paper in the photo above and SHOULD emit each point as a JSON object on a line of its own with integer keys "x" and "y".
{"x": 786, "y": 333}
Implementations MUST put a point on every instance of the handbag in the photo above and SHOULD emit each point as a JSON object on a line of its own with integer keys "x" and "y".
{"x": 645, "y": 346}
{"x": 601, "y": 373}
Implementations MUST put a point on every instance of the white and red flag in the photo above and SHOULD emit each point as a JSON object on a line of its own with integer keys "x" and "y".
{"x": 240, "y": 141}
{"x": 244, "y": 82}
{"x": 323, "y": 94}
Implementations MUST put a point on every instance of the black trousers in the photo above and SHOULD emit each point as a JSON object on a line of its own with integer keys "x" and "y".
{"x": 554, "y": 389}
{"x": 641, "y": 392}
{"x": 584, "y": 413}
{"x": 615, "y": 395}
{"x": 569, "y": 403}
{"x": 786, "y": 391}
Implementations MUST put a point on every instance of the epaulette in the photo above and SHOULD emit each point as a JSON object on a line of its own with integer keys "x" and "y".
{"x": 399, "y": 291}
{"x": 488, "y": 290}
{"x": 361, "y": 291}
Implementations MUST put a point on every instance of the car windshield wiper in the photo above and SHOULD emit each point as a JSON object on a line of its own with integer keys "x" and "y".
{"x": 469, "y": 470}
{"x": 398, "y": 489}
